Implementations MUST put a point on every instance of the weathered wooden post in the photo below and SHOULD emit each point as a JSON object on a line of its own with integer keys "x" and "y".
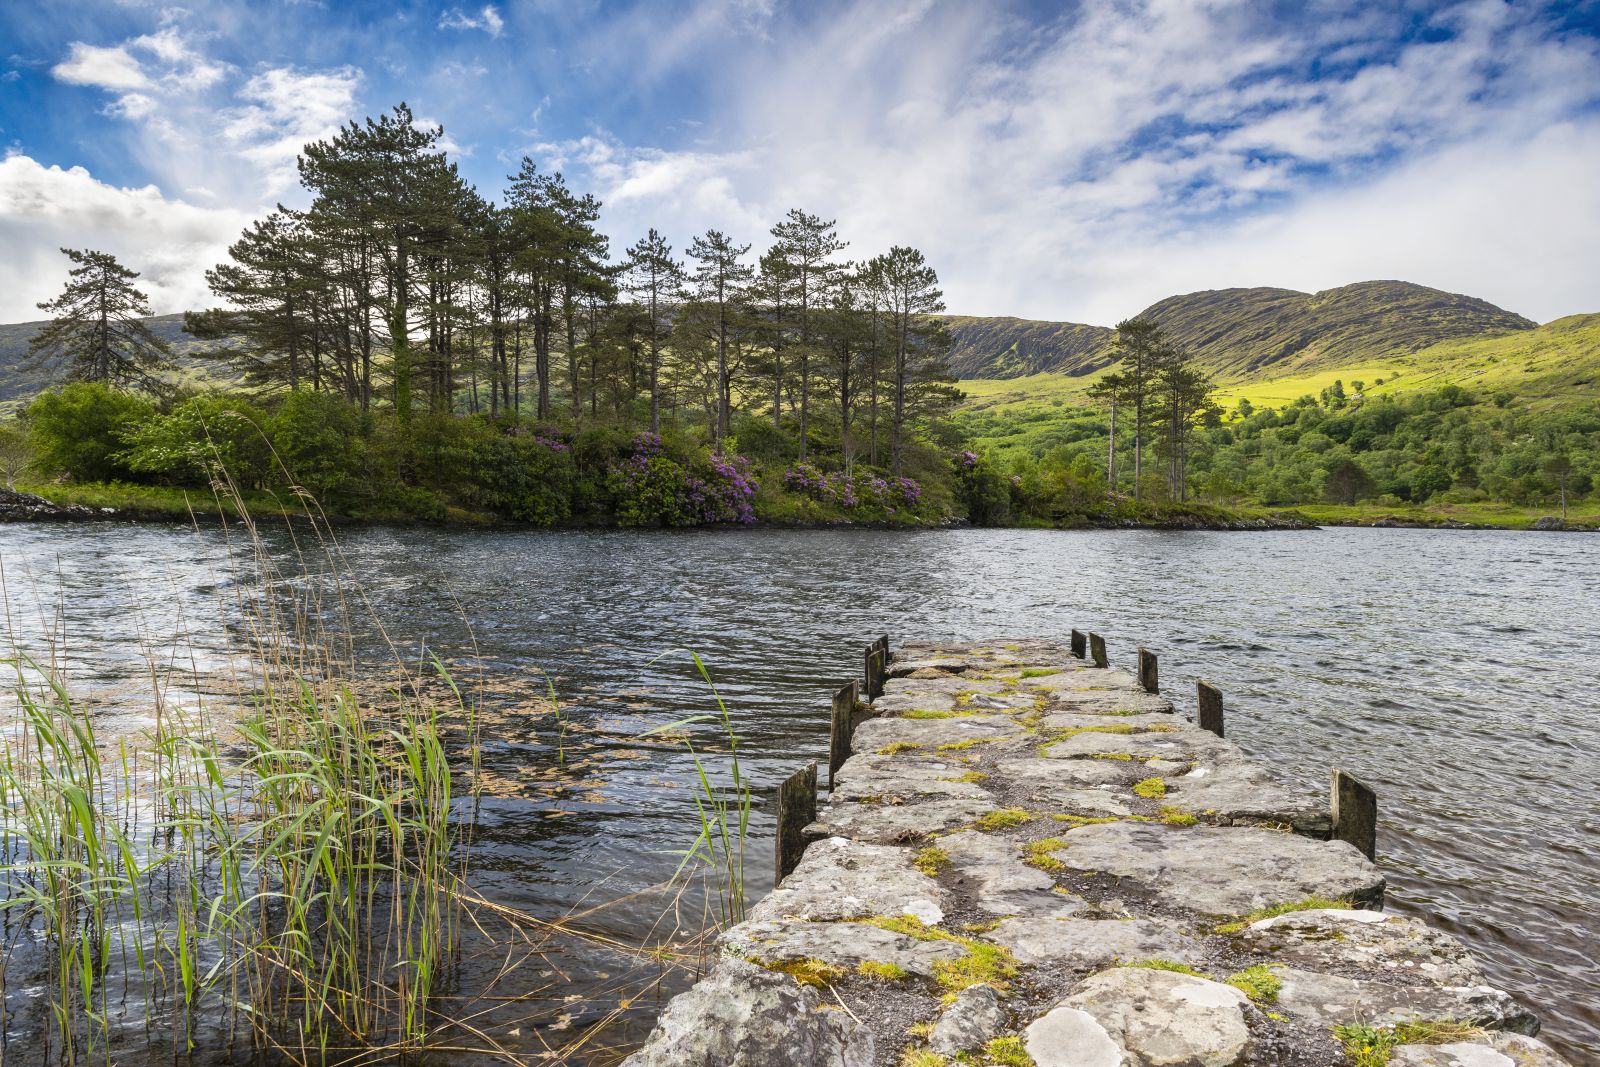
{"x": 840, "y": 727}
{"x": 1210, "y": 708}
{"x": 1355, "y": 813}
{"x": 1079, "y": 644}
{"x": 1097, "y": 648}
{"x": 883, "y": 662}
{"x": 876, "y": 667}
{"x": 1147, "y": 671}
{"x": 797, "y": 809}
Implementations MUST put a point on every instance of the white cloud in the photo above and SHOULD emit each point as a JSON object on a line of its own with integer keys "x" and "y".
{"x": 44, "y": 208}
{"x": 487, "y": 19}
{"x": 1084, "y": 169}
{"x": 108, "y": 68}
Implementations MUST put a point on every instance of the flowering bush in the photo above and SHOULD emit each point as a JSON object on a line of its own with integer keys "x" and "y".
{"x": 653, "y": 489}
{"x": 847, "y": 491}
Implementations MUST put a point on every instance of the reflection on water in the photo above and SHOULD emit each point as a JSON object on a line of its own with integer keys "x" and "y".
{"x": 1453, "y": 670}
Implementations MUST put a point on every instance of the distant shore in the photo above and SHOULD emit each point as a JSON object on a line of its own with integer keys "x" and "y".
{"x": 155, "y": 504}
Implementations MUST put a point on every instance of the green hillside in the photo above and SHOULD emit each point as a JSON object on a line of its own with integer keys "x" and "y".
{"x": 1005, "y": 347}
{"x": 1544, "y": 368}
{"x": 17, "y": 384}
{"x": 1244, "y": 334}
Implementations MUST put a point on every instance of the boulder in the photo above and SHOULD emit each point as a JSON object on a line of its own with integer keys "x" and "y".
{"x": 1365, "y": 941}
{"x": 742, "y": 1015}
{"x": 843, "y": 944}
{"x": 840, "y": 879}
{"x": 1490, "y": 1050}
{"x": 1142, "y": 1017}
{"x": 895, "y": 823}
{"x": 1326, "y": 1000}
{"x": 1076, "y": 944}
{"x": 969, "y": 1023}
{"x": 1224, "y": 871}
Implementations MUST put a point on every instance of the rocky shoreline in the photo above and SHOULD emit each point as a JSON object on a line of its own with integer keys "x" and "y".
{"x": 1028, "y": 859}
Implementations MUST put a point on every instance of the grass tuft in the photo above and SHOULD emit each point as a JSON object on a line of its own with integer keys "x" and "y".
{"x": 1008, "y": 1052}
{"x": 1003, "y": 819}
{"x": 1257, "y": 982}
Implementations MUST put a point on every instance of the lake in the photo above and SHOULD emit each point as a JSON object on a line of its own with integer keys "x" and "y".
{"x": 1452, "y": 670}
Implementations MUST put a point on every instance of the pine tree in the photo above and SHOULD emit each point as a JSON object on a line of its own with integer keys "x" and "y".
{"x": 95, "y": 334}
{"x": 804, "y": 245}
{"x": 655, "y": 279}
{"x": 910, "y": 292}
{"x": 1139, "y": 348}
{"x": 722, "y": 279}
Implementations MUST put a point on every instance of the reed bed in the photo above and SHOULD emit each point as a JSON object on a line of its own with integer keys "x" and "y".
{"x": 282, "y": 871}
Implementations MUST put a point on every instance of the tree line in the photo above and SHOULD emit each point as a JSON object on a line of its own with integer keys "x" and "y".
{"x": 401, "y": 286}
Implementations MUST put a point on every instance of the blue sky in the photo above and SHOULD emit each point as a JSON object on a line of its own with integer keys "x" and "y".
{"x": 1074, "y": 161}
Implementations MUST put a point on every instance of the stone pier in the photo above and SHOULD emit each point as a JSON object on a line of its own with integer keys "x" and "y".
{"x": 1029, "y": 859}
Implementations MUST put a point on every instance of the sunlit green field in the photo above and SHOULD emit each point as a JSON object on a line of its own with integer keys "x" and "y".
{"x": 1557, "y": 363}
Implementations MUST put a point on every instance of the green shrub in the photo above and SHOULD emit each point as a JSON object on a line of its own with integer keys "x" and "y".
{"x": 78, "y": 430}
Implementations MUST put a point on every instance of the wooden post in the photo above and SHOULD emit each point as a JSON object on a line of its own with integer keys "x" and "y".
{"x": 1079, "y": 644}
{"x": 1355, "y": 813}
{"x": 797, "y": 808}
{"x": 876, "y": 670}
{"x": 1210, "y": 708}
{"x": 840, "y": 728}
{"x": 869, "y": 667}
{"x": 1147, "y": 671}
{"x": 1097, "y": 648}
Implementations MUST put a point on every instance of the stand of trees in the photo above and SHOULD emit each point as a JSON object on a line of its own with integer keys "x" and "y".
{"x": 404, "y": 295}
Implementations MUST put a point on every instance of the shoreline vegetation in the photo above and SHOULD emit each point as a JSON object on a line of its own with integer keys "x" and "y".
{"x": 80, "y": 503}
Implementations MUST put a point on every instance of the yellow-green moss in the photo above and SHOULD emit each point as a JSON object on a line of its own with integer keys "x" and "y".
{"x": 931, "y": 860}
{"x": 1150, "y": 788}
{"x": 1038, "y": 854}
{"x": 1058, "y": 736}
{"x": 1166, "y": 965}
{"x": 806, "y": 971}
{"x": 1008, "y": 1052}
{"x": 984, "y": 964}
{"x": 1003, "y": 819}
{"x": 897, "y": 747}
{"x": 1040, "y": 672}
{"x": 1076, "y": 821}
{"x": 1124, "y": 756}
{"x": 971, "y": 777}
{"x": 1173, "y": 817}
{"x": 971, "y": 742}
{"x": 922, "y": 1057}
{"x": 926, "y": 714}
{"x": 1256, "y": 982}
{"x": 889, "y": 972}
{"x": 1274, "y": 910}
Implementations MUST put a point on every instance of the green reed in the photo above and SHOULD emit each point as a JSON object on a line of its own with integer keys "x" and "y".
{"x": 724, "y": 812}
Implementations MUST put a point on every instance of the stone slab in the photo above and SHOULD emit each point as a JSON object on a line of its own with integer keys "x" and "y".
{"x": 839, "y": 879}
{"x": 841, "y": 944}
{"x": 1364, "y": 941}
{"x": 1078, "y": 944}
{"x": 1224, "y": 871}
{"x": 1334, "y": 1000}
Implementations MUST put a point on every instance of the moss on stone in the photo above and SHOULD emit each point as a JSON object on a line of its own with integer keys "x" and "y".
{"x": 1272, "y": 911}
{"x": 922, "y": 713}
{"x": 1123, "y": 756}
{"x": 1150, "y": 788}
{"x": 1173, "y": 817}
{"x": 1008, "y": 1051}
{"x": 1040, "y": 672}
{"x": 1256, "y": 982}
{"x": 888, "y": 972}
{"x": 984, "y": 964}
{"x": 931, "y": 860}
{"x": 1370, "y": 1046}
{"x": 897, "y": 747}
{"x": 1038, "y": 854}
{"x": 1003, "y": 819}
{"x": 807, "y": 970}
{"x": 971, "y": 742}
{"x": 970, "y": 777}
{"x": 1166, "y": 965}
{"x": 922, "y": 1057}
{"x": 1076, "y": 821}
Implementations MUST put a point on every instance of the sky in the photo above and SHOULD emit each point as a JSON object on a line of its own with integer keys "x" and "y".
{"x": 1073, "y": 161}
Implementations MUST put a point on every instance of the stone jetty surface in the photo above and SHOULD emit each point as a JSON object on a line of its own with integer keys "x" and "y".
{"x": 1027, "y": 859}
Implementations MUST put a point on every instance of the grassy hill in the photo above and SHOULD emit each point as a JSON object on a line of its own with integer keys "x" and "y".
{"x": 1244, "y": 334}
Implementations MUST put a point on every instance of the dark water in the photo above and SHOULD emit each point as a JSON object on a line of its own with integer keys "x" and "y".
{"x": 1455, "y": 671}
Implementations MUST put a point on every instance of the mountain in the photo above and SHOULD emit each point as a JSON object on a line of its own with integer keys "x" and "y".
{"x": 1004, "y": 347}
{"x": 1242, "y": 334}
{"x": 17, "y": 384}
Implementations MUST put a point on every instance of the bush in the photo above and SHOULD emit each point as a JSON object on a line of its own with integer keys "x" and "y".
{"x": 201, "y": 437}
{"x": 78, "y": 430}
{"x": 314, "y": 434}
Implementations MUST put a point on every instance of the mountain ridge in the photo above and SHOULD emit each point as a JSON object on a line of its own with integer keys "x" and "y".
{"x": 1242, "y": 332}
